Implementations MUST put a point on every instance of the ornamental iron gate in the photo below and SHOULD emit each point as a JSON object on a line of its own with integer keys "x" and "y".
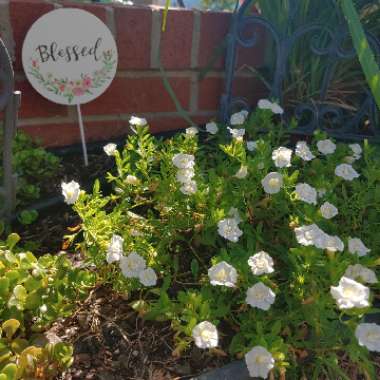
{"x": 9, "y": 103}
{"x": 317, "y": 112}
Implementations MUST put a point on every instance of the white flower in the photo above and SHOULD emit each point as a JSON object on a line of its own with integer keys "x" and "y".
{"x": 183, "y": 161}
{"x": 110, "y": 149}
{"x": 346, "y": 172}
{"x": 358, "y": 272}
{"x": 350, "y": 294}
{"x": 237, "y": 133}
{"x": 185, "y": 175}
{"x": 148, "y": 277}
{"x": 205, "y": 335}
{"x": 70, "y": 192}
{"x": 272, "y": 183}
{"x": 251, "y": 145}
{"x": 192, "y": 131}
{"x": 306, "y": 193}
{"x": 223, "y": 274}
{"x": 266, "y": 104}
{"x": 303, "y": 151}
{"x": 239, "y": 118}
{"x": 328, "y": 210}
{"x": 234, "y": 213}
{"x": 115, "y": 249}
{"x": 189, "y": 188}
{"x": 357, "y": 150}
{"x": 229, "y": 229}
{"x": 137, "y": 121}
{"x": 260, "y": 296}
{"x": 331, "y": 243}
{"x": 261, "y": 263}
{"x": 242, "y": 172}
{"x": 132, "y": 180}
{"x": 308, "y": 235}
{"x": 212, "y": 128}
{"x": 356, "y": 246}
{"x": 259, "y": 362}
{"x": 132, "y": 265}
{"x": 326, "y": 146}
{"x": 368, "y": 335}
{"x": 282, "y": 157}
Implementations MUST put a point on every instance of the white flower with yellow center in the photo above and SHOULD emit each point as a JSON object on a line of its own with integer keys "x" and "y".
{"x": 70, "y": 192}
{"x": 282, "y": 157}
{"x": 110, "y": 149}
{"x": 192, "y": 131}
{"x": 237, "y": 133}
{"x": 306, "y": 193}
{"x": 360, "y": 273}
{"x": 242, "y": 172}
{"x": 328, "y": 210}
{"x": 308, "y": 235}
{"x": 132, "y": 180}
{"x": 183, "y": 161}
{"x": 239, "y": 118}
{"x": 229, "y": 229}
{"x": 303, "y": 151}
{"x": 132, "y": 265}
{"x": 326, "y": 146}
{"x": 189, "y": 188}
{"x": 223, "y": 274}
{"x": 368, "y": 335}
{"x": 137, "y": 121}
{"x": 148, "y": 277}
{"x": 260, "y": 296}
{"x": 115, "y": 249}
{"x": 272, "y": 183}
{"x": 205, "y": 335}
{"x": 261, "y": 263}
{"x": 259, "y": 362}
{"x": 266, "y": 104}
{"x": 212, "y": 128}
{"x": 350, "y": 294}
{"x": 357, "y": 247}
{"x": 346, "y": 172}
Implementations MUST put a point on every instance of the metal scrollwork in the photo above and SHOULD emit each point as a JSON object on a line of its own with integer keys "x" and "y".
{"x": 353, "y": 121}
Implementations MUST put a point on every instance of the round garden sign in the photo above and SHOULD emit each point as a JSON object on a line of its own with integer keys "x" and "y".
{"x": 69, "y": 56}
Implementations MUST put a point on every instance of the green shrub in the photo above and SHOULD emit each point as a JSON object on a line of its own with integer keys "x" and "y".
{"x": 33, "y": 166}
{"x": 242, "y": 245}
{"x": 35, "y": 292}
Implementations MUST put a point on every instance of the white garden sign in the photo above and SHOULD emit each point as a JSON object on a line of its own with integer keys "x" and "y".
{"x": 70, "y": 57}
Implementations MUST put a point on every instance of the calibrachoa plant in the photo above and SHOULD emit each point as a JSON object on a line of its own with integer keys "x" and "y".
{"x": 245, "y": 242}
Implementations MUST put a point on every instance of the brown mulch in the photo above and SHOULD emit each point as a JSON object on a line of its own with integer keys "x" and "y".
{"x": 112, "y": 343}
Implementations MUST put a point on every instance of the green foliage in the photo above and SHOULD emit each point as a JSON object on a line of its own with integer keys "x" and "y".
{"x": 177, "y": 235}
{"x": 35, "y": 292}
{"x": 33, "y": 166}
{"x": 365, "y": 54}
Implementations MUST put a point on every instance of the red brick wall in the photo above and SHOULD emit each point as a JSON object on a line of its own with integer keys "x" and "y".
{"x": 137, "y": 89}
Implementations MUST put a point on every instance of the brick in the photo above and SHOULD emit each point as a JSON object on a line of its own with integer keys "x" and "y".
{"x": 212, "y": 88}
{"x": 96, "y": 9}
{"x": 134, "y": 26}
{"x": 34, "y": 105}
{"x": 54, "y": 135}
{"x": 176, "y": 41}
{"x": 214, "y": 27}
{"x": 23, "y": 13}
{"x": 137, "y": 95}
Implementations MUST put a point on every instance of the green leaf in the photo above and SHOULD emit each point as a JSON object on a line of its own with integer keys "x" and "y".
{"x": 10, "y": 370}
{"x": 10, "y": 327}
{"x": 195, "y": 268}
{"x": 12, "y": 240}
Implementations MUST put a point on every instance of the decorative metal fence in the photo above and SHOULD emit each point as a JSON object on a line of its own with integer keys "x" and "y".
{"x": 9, "y": 105}
{"x": 317, "y": 112}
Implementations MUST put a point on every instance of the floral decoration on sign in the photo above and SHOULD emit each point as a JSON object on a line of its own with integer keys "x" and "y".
{"x": 71, "y": 88}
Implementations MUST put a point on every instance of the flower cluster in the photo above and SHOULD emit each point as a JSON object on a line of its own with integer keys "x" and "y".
{"x": 185, "y": 174}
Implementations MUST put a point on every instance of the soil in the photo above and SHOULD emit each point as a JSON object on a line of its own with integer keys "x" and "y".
{"x": 111, "y": 342}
